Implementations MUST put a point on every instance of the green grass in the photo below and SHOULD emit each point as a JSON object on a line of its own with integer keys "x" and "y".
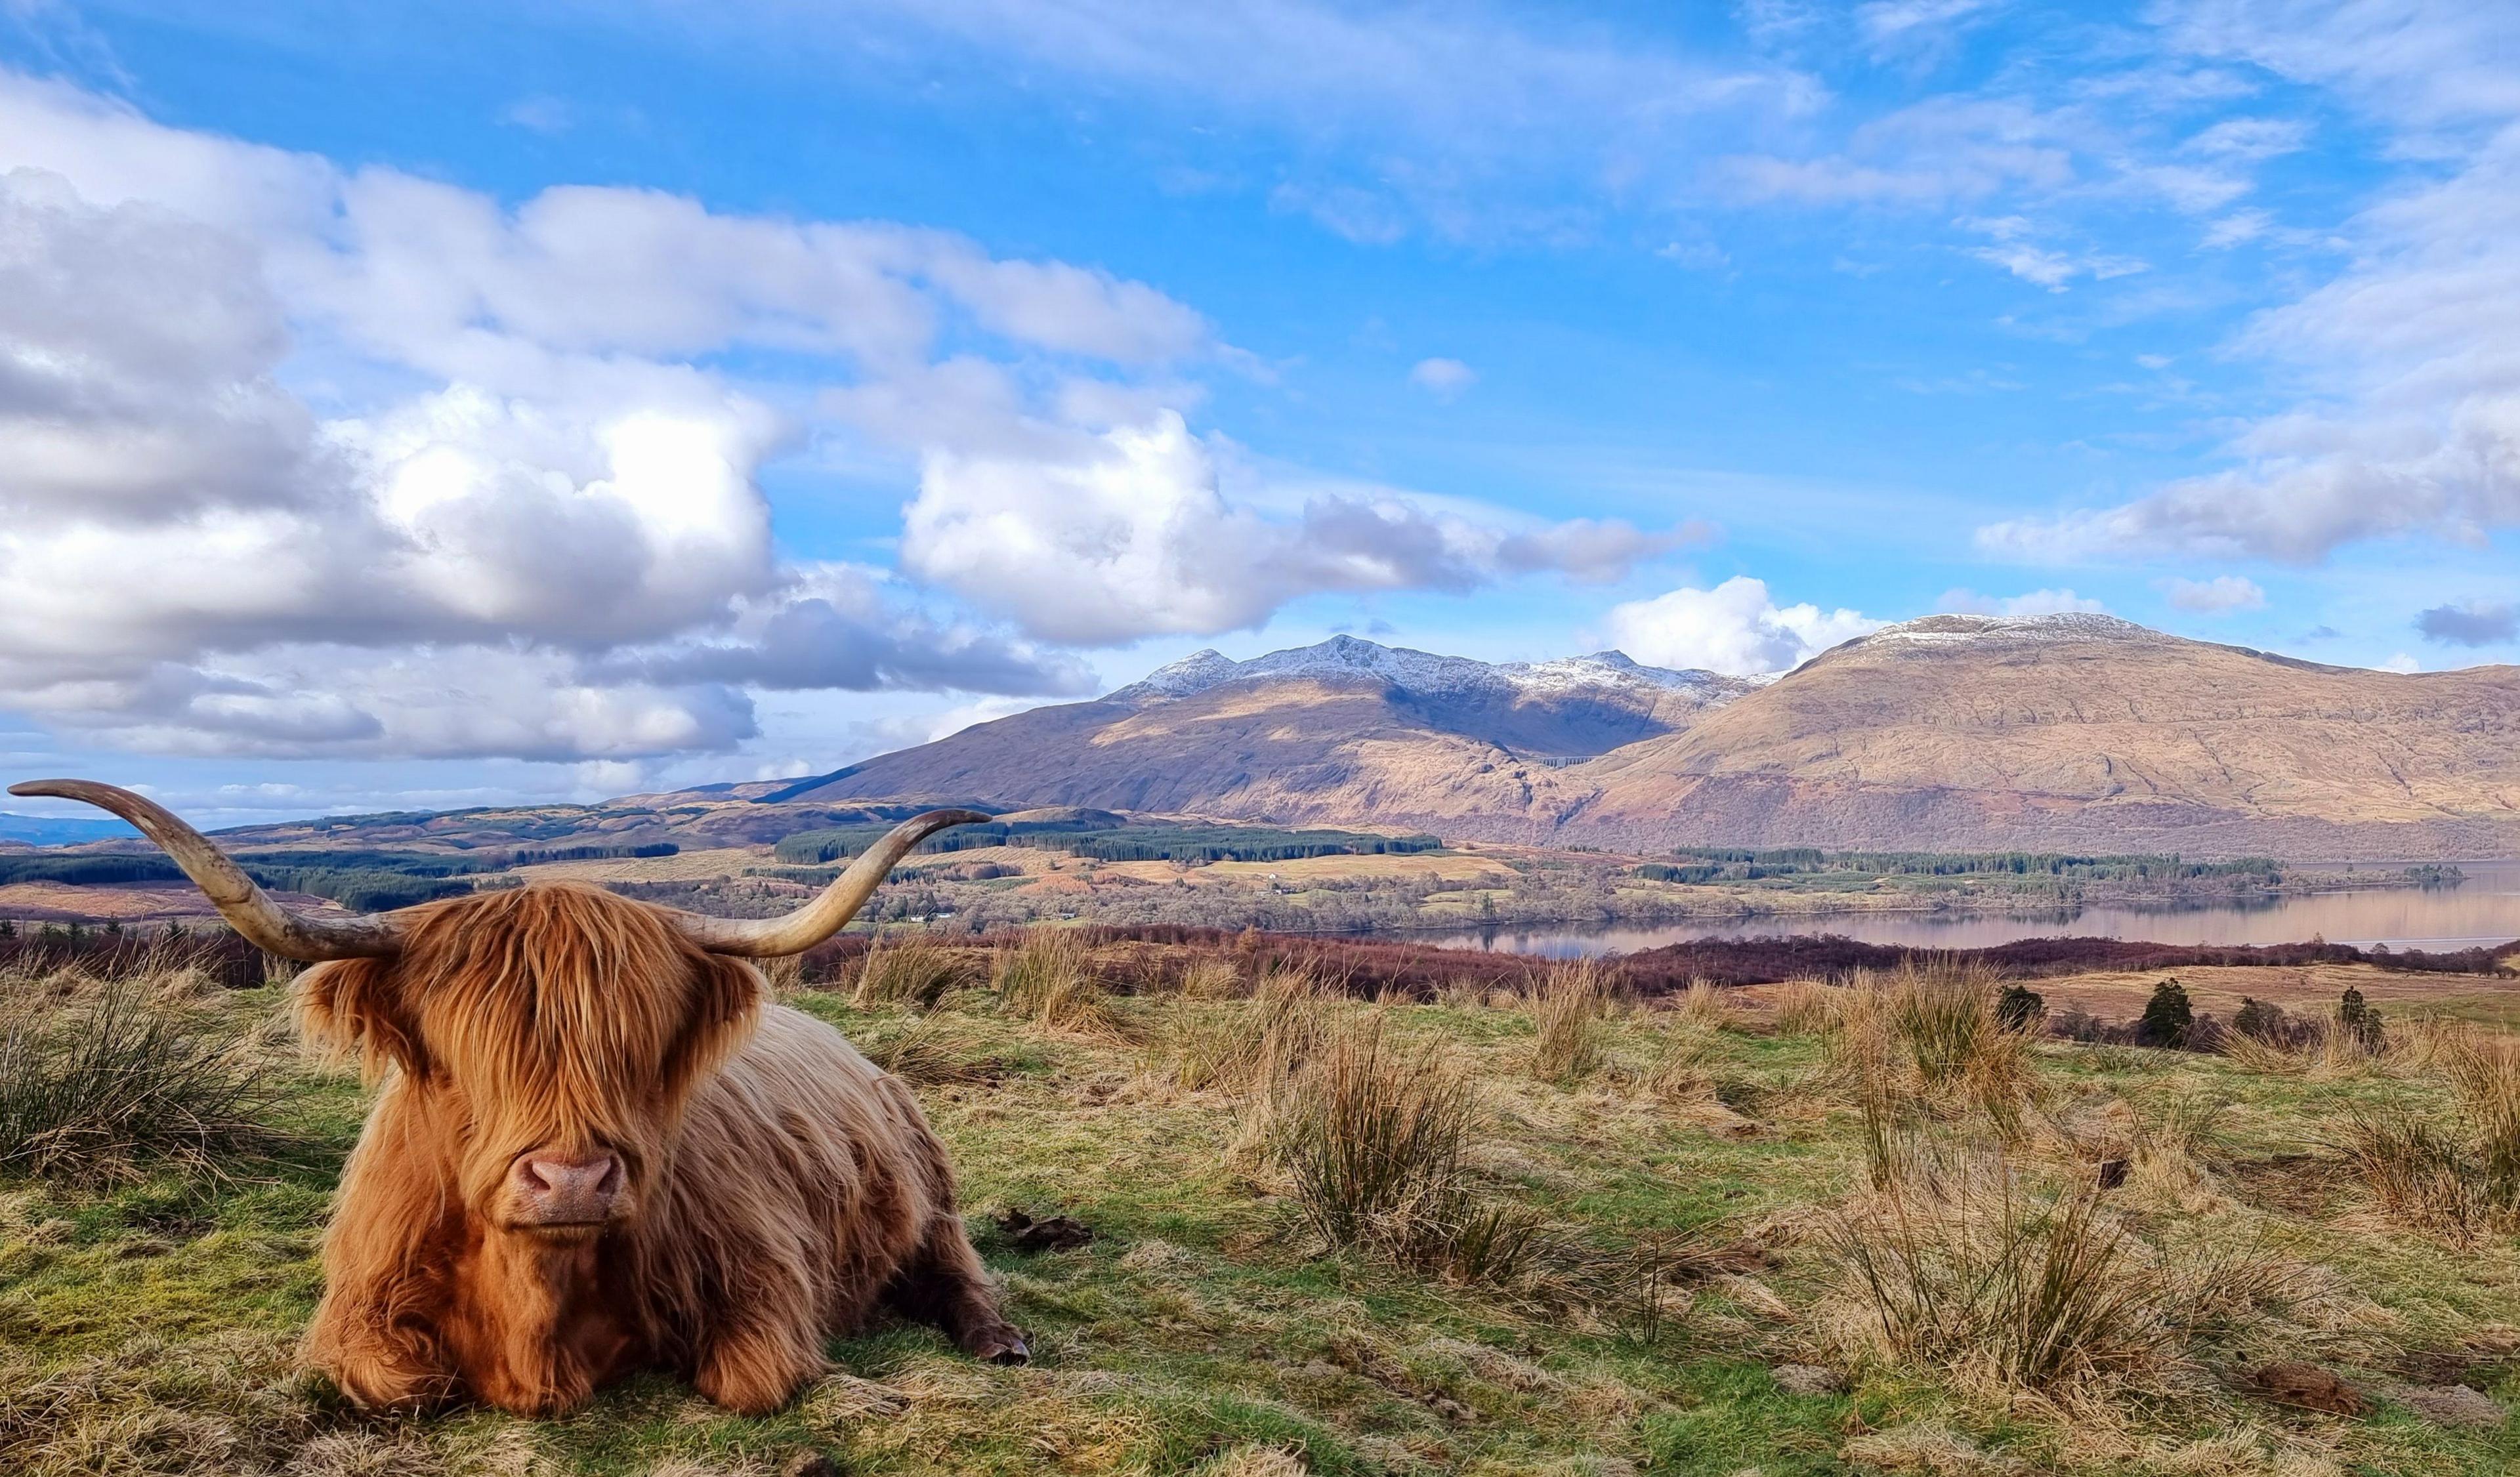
{"x": 147, "y": 1327}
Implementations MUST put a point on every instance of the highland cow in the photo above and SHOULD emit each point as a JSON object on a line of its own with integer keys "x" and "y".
{"x": 596, "y": 1149}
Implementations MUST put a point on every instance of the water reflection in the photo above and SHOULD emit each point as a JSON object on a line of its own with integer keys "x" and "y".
{"x": 2485, "y": 909}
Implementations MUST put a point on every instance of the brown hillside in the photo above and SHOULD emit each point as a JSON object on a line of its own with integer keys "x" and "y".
{"x": 2081, "y": 733}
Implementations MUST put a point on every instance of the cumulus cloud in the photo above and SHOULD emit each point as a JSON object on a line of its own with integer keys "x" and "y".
{"x": 1735, "y": 627}
{"x": 1442, "y": 377}
{"x": 1095, "y": 538}
{"x": 546, "y": 539}
{"x": 2471, "y": 623}
{"x": 2221, "y": 594}
{"x": 2033, "y": 602}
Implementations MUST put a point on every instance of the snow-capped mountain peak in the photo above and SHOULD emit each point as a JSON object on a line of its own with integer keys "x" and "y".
{"x": 1422, "y": 673}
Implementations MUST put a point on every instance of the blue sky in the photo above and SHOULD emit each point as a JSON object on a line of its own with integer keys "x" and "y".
{"x": 453, "y": 404}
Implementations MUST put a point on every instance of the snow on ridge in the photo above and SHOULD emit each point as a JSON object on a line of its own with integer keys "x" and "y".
{"x": 2061, "y": 626}
{"x": 1422, "y": 672}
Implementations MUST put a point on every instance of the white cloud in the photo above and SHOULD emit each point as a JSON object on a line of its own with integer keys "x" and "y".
{"x": 2221, "y": 594}
{"x": 2402, "y": 663}
{"x": 1131, "y": 533}
{"x": 1735, "y": 627}
{"x": 2034, "y": 603}
{"x": 546, "y": 540}
{"x": 2407, "y": 411}
{"x": 1443, "y": 379}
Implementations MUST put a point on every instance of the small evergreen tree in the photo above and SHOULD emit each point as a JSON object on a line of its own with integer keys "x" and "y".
{"x": 2261, "y": 1019}
{"x": 2359, "y": 1020}
{"x": 2168, "y": 1015}
{"x": 2020, "y": 1008}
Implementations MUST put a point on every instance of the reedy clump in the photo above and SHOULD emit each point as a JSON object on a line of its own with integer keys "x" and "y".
{"x": 105, "y": 1090}
{"x": 1566, "y": 1016}
{"x": 907, "y": 969}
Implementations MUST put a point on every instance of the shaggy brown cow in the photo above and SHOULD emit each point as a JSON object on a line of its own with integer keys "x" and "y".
{"x": 597, "y": 1150}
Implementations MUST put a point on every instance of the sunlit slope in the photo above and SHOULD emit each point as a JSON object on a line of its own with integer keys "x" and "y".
{"x": 2081, "y": 732}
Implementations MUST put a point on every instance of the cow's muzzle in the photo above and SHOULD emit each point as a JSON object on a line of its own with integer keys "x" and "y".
{"x": 553, "y": 1189}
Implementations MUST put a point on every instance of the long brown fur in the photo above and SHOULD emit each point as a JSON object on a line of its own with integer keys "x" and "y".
{"x": 777, "y": 1186}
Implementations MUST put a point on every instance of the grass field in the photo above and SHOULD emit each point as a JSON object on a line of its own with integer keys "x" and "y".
{"x": 1803, "y": 1230}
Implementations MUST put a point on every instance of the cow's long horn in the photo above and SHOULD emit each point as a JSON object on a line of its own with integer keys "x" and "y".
{"x": 819, "y": 919}
{"x": 248, "y": 910}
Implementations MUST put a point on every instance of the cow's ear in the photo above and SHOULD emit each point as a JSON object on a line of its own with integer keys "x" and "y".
{"x": 725, "y": 1000}
{"x": 355, "y": 1006}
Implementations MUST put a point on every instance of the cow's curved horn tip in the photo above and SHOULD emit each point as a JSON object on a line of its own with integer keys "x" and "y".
{"x": 1011, "y": 1353}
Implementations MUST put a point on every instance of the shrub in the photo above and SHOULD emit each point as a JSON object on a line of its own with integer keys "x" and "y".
{"x": 2359, "y": 1023}
{"x": 1566, "y": 1012}
{"x": 120, "y": 1085}
{"x": 2167, "y": 1016}
{"x": 2020, "y": 1008}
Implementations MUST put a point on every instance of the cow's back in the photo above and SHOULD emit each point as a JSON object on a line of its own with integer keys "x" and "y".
{"x": 804, "y": 1172}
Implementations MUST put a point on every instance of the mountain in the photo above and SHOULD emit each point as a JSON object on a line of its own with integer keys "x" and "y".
{"x": 2072, "y": 732}
{"x": 50, "y": 831}
{"x": 1345, "y": 731}
{"x": 2081, "y": 733}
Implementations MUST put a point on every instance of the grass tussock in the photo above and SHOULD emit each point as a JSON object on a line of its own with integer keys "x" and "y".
{"x": 1702, "y": 1007}
{"x": 1925, "y": 1043}
{"x": 1566, "y": 1012}
{"x": 1374, "y": 1136}
{"x": 1250, "y": 1047}
{"x": 115, "y": 1086}
{"x": 927, "y": 1050}
{"x": 1805, "y": 1007}
{"x": 1049, "y": 980}
{"x": 909, "y": 969}
{"x": 1964, "y": 1268}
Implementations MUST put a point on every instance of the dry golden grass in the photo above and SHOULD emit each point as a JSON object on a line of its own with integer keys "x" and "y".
{"x": 1701, "y": 1005}
{"x": 909, "y": 969}
{"x": 1049, "y": 979}
{"x": 1805, "y": 1007}
{"x": 1566, "y": 1018}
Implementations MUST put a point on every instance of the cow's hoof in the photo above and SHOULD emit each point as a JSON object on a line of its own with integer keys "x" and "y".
{"x": 1005, "y": 1347}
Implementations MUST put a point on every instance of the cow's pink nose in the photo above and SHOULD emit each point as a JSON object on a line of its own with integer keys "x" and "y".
{"x": 567, "y": 1189}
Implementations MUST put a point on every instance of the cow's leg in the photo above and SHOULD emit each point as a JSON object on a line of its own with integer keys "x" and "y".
{"x": 944, "y": 1283}
{"x": 377, "y": 1361}
{"x": 755, "y": 1365}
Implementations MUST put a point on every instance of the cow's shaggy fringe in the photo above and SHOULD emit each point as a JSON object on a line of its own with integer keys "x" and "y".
{"x": 1566, "y": 1018}
{"x": 116, "y": 1085}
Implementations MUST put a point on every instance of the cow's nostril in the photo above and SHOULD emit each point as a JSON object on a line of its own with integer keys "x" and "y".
{"x": 564, "y": 1189}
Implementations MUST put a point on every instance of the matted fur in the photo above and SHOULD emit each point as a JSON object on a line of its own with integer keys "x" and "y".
{"x": 776, "y": 1186}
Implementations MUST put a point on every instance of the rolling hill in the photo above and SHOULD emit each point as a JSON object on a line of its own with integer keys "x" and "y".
{"x": 1950, "y": 733}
